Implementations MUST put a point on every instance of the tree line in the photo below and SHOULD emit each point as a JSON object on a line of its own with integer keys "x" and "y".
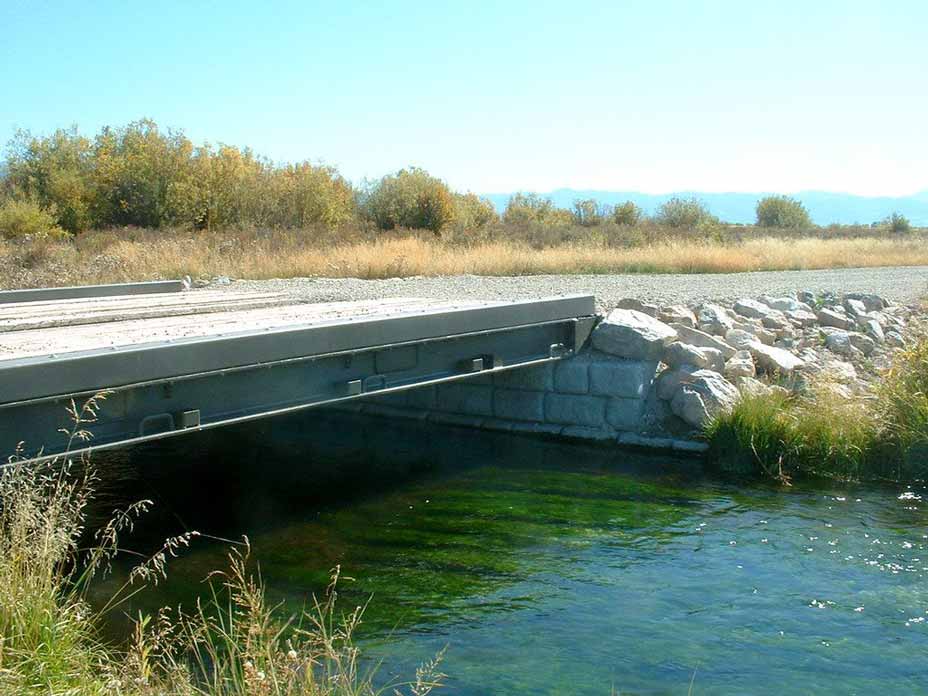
{"x": 141, "y": 175}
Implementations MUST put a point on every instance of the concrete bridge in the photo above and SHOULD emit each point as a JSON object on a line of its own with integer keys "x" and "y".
{"x": 171, "y": 360}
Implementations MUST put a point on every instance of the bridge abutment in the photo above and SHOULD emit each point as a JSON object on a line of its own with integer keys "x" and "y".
{"x": 592, "y": 396}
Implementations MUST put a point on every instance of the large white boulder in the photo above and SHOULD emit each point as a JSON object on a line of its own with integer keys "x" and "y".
{"x": 633, "y": 303}
{"x": 839, "y": 342}
{"x": 754, "y": 309}
{"x": 873, "y": 329}
{"x": 786, "y": 304}
{"x": 801, "y": 317}
{"x": 714, "y": 319}
{"x": 678, "y": 353}
{"x": 864, "y": 344}
{"x": 829, "y": 317}
{"x": 677, "y": 314}
{"x": 740, "y": 339}
{"x": 702, "y": 396}
{"x": 740, "y": 365}
{"x": 771, "y": 359}
{"x": 669, "y": 381}
{"x": 695, "y": 337}
{"x": 631, "y": 334}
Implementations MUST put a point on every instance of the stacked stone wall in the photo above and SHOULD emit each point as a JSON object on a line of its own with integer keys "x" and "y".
{"x": 592, "y": 396}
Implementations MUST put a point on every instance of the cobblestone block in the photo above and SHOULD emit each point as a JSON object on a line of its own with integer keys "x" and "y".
{"x": 572, "y": 376}
{"x": 624, "y": 414}
{"x": 535, "y": 378}
{"x": 536, "y": 428}
{"x": 468, "y": 399}
{"x": 624, "y": 378}
{"x": 580, "y": 432}
{"x": 519, "y": 405}
{"x": 634, "y": 440}
{"x": 570, "y": 409}
{"x": 497, "y": 424}
{"x": 398, "y": 399}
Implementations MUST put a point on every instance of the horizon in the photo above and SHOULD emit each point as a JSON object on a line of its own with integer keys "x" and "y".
{"x": 528, "y": 97}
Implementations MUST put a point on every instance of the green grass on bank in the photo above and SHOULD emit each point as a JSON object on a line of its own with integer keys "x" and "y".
{"x": 824, "y": 432}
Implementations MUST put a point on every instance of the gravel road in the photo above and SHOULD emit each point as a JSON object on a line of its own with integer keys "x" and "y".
{"x": 899, "y": 284}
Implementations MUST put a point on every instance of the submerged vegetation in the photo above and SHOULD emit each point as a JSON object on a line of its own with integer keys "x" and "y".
{"x": 231, "y": 643}
{"x": 825, "y": 431}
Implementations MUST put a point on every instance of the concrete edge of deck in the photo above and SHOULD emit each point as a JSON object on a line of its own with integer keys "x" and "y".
{"x": 81, "y": 291}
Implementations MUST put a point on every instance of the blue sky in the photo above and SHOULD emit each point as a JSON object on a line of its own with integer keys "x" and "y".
{"x": 500, "y": 96}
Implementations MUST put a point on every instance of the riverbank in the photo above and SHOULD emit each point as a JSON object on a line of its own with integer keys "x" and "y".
{"x": 786, "y": 386}
{"x": 119, "y": 256}
{"x": 862, "y": 416}
{"x": 231, "y": 642}
{"x": 800, "y": 385}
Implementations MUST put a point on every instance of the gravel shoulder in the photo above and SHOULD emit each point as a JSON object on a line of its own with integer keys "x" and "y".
{"x": 898, "y": 284}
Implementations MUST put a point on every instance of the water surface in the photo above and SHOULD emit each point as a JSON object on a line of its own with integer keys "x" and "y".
{"x": 548, "y": 568}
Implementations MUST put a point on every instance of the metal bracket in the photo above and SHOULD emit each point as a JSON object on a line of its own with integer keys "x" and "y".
{"x": 188, "y": 419}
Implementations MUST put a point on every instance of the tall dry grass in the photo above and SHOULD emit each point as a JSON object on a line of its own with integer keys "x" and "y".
{"x": 113, "y": 257}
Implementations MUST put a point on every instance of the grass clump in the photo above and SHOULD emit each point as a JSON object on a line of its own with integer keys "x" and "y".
{"x": 233, "y": 643}
{"x": 782, "y": 436}
{"x": 904, "y": 403}
{"x": 828, "y": 432}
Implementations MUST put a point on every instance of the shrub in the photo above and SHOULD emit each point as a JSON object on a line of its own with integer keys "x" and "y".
{"x": 589, "y": 213}
{"x": 627, "y": 214}
{"x": 141, "y": 175}
{"x": 685, "y": 212}
{"x": 56, "y": 172}
{"x": 782, "y": 212}
{"x": 313, "y": 195}
{"x": 898, "y": 223}
{"x": 527, "y": 208}
{"x": 134, "y": 170}
{"x": 472, "y": 212}
{"x": 22, "y": 217}
{"x": 410, "y": 198}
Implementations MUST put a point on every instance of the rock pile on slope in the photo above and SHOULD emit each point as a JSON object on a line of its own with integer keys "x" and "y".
{"x": 710, "y": 354}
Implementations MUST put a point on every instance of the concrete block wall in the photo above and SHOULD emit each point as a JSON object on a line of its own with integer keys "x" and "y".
{"x": 593, "y": 396}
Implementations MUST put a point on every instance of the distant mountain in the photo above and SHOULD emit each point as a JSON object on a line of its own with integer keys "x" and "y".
{"x": 824, "y": 207}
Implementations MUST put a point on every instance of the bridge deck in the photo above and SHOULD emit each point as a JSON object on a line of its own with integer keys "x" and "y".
{"x": 79, "y": 325}
{"x": 195, "y": 359}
